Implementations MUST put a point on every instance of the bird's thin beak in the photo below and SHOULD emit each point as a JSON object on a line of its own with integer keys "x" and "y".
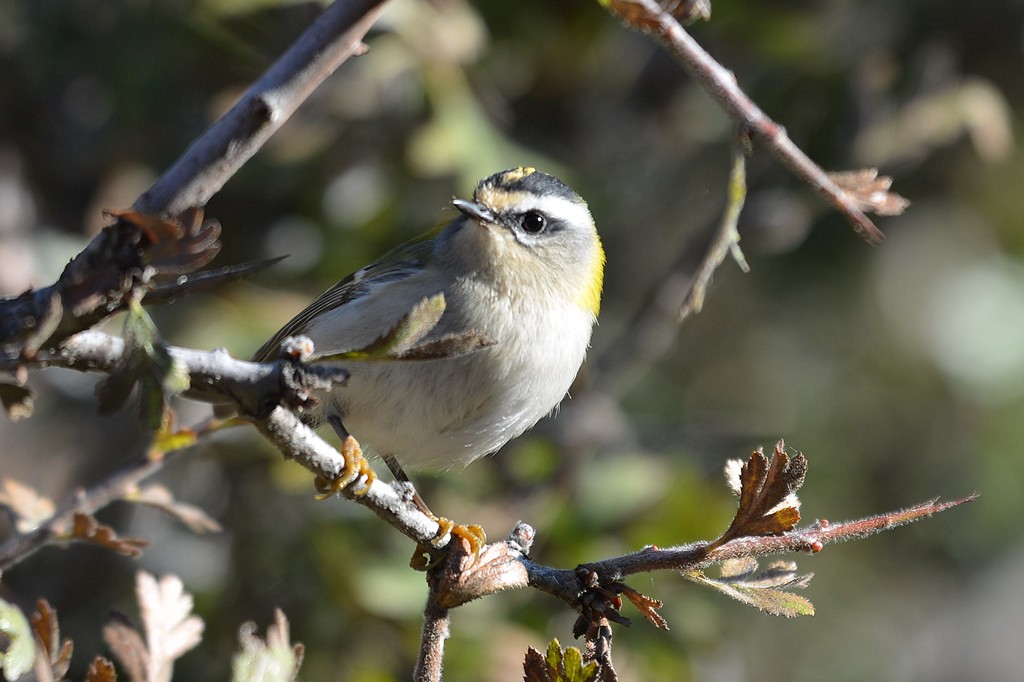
{"x": 475, "y": 210}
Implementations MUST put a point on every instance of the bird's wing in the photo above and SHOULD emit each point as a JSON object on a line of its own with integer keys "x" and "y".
{"x": 401, "y": 263}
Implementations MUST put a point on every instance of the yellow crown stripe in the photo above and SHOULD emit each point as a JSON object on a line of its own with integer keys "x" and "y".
{"x": 518, "y": 173}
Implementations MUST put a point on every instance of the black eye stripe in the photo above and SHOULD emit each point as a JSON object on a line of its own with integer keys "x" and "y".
{"x": 516, "y": 222}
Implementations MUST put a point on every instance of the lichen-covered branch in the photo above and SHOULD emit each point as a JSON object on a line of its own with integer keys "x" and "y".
{"x": 259, "y": 390}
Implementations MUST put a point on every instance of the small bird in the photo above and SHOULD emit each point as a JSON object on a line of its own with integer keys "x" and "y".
{"x": 522, "y": 266}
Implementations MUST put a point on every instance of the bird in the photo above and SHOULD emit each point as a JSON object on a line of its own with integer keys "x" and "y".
{"x": 521, "y": 266}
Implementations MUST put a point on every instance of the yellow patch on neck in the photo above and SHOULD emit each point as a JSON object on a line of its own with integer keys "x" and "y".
{"x": 590, "y": 295}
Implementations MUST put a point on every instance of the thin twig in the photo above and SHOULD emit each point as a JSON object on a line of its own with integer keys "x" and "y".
{"x": 88, "y": 501}
{"x": 727, "y": 239}
{"x": 720, "y": 83}
{"x": 675, "y": 295}
{"x": 601, "y": 651}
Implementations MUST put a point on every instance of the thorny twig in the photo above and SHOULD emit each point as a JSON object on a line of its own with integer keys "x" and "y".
{"x": 565, "y": 584}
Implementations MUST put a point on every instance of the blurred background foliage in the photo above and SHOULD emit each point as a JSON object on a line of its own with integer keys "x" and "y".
{"x": 898, "y": 370}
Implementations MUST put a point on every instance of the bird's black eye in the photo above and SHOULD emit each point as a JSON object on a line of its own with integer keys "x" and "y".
{"x": 533, "y": 222}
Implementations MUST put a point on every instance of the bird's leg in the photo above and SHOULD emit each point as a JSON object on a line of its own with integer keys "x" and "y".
{"x": 472, "y": 534}
{"x": 356, "y": 466}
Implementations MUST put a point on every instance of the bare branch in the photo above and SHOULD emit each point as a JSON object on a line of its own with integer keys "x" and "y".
{"x": 648, "y": 16}
{"x": 593, "y": 589}
{"x": 215, "y": 157}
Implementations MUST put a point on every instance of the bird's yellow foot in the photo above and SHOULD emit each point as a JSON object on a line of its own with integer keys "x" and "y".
{"x": 426, "y": 557}
{"x": 356, "y": 468}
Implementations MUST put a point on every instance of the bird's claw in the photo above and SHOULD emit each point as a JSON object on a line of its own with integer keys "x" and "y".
{"x": 356, "y": 468}
{"x": 426, "y": 556}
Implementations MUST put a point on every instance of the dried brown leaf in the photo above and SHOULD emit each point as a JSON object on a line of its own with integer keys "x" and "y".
{"x": 640, "y": 15}
{"x": 870, "y": 191}
{"x": 28, "y": 506}
{"x": 45, "y": 625}
{"x": 85, "y": 527}
{"x": 100, "y": 670}
{"x": 41, "y": 668}
{"x": 47, "y": 630}
{"x": 127, "y": 645}
{"x": 647, "y": 606}
{"x": 687, "y": 11}
{"x": 175, "y": 247}
{"x": 767, "y": 494}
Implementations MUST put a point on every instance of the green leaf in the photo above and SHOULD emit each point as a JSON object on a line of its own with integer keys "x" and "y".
{"x": 167, "y": 440}
{"x": 151, "y": 402}
{"x": 765, "y": 589}
{"x": 566, "y": 665}
{"x": 554, "y": 656}
{"x": 21, "y": 652}
{"x": 112, "y": 393}
{"x": 772, "y": 602}
{"x": 139, "y": 330}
